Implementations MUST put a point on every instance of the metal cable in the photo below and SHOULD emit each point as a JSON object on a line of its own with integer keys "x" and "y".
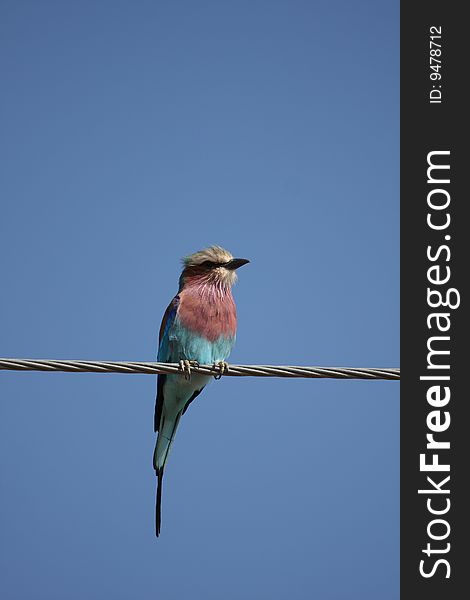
{"x": 91, "y": 366}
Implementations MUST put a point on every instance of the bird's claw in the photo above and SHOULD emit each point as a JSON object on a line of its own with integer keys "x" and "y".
{"x": 222, "y": 368}
{"x": 185, "y": 366}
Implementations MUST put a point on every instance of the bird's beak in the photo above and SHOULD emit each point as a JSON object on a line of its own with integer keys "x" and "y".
{"x": 235, "y": 263}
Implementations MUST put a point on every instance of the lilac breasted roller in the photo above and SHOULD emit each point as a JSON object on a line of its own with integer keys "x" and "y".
{"x": 198, "y": 327}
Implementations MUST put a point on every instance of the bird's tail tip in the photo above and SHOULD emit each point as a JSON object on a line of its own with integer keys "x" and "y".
{"x": 158, "y": 505}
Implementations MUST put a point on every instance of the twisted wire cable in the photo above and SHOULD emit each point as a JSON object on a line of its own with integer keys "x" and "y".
{"x": 152, "y": 368}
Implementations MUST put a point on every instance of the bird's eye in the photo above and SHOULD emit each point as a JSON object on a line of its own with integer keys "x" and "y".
{"x": 208, "y": 263}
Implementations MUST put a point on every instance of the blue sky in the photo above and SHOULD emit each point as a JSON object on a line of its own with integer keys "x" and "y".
{"x": 134, "y": 133}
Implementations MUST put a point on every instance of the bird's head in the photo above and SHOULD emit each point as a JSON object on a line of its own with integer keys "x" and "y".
{"x": 213, "y": 265}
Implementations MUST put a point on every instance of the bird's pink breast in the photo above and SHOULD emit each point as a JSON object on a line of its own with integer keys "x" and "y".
{"x": 208, "y": 311}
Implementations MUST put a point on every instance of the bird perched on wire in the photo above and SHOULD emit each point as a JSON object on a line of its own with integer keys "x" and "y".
{"x": 198, "y": 327}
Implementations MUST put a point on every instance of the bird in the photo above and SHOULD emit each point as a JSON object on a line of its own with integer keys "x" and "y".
{"x": 198, "y": 327}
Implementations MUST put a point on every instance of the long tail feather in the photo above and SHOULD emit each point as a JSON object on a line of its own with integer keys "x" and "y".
{"x": 158, "y": 507}
{"x": 165, "y": 438}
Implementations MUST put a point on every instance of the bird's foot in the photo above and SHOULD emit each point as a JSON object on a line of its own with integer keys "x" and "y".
{"x": 186, "y": 365}
{"x": 222, "y": 368}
